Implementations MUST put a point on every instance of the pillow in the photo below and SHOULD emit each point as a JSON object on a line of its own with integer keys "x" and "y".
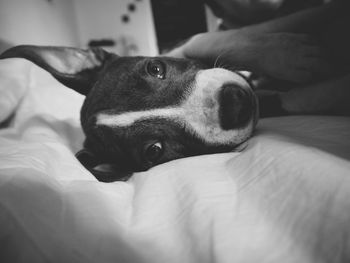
{"x": 14, "y": 82}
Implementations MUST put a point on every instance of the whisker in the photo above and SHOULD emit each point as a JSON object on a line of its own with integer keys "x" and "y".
{"x": 217, "y": 59}
{"x": 220, "y": 64}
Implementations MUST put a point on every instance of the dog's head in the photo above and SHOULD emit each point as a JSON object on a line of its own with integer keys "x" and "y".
{"x": 143, "y": 111}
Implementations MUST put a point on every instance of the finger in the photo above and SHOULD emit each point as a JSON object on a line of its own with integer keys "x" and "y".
{"x": 314, "y": 52}
{"x": 301, "y": 76}
{"x": 177, "y": 53}
{"x": 304, "y": 39}
{"x": 316, "y": 66}
{"x": 296, "y": 76}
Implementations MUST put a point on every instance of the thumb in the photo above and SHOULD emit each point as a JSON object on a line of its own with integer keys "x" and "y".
{"x": 176, "y": 52}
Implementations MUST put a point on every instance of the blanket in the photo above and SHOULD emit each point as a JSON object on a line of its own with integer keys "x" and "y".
{"x": 285, "y": 198}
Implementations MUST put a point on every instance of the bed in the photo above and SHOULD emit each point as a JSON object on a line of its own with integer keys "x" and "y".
{"x": 285, "y": 198}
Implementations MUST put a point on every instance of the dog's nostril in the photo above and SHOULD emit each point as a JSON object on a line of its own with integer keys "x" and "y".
{"x": 235, "y": 106}
{"x": 239, "y": 93}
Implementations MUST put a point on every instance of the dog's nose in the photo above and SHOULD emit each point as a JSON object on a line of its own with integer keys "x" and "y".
{"x": 236, "y": 106}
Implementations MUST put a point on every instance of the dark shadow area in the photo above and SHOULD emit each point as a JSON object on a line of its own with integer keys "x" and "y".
{"x": 176, "y": 21}
{"x": 330, "y": 134}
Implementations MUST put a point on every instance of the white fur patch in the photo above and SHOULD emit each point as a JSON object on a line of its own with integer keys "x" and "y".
{"x": 128, "y": 118}
{"x": 202, "y": 107}
{"x": 199, "y": 113}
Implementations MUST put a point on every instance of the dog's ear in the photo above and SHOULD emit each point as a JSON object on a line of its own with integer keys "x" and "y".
{"x": 76, "y": 68}
{"x": 102, "y": 171}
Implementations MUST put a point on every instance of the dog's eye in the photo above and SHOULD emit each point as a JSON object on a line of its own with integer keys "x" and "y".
{"x": 152, "y": 152}
{"x": 156, "y": 69}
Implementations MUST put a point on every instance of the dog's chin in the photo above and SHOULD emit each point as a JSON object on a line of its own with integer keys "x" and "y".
{"x": 237, "y": 107}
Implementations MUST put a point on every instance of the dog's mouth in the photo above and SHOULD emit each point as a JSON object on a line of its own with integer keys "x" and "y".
{"x": 236, "y": 106}
{"x": 104, "y": 172}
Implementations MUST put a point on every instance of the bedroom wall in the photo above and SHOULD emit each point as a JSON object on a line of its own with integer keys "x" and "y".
{"x": 103, "y": 20}
{"x": 76, "y": 22}
{"x": 44, "y": 22}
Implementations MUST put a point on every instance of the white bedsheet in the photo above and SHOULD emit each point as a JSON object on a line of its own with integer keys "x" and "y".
{"x": 286, "y": 198}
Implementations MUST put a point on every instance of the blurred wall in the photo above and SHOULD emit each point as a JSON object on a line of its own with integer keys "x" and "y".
{"x": 102, "y": 19}
{"x": 38, "y": 22}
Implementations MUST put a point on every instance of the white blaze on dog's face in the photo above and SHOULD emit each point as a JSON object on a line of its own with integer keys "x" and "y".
{"x": 200, "y": 111}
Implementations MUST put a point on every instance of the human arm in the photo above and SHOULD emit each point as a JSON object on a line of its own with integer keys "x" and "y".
{"x": 266, "y": 48}
{"x": 286, "y": 56}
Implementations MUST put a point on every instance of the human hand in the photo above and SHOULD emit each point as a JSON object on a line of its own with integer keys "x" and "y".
{"x": 177, "y": 52}
{"x": 200, "y": 46}
{"x": 292, "y": 57}
{"x": 286, "y": 56}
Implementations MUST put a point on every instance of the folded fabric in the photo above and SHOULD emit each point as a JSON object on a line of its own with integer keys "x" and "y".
{"x": 14, "y": 82}
{"x": 285, "y": 198}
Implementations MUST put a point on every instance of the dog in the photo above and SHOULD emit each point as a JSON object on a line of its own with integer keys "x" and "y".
{"x": 143, "y": 111}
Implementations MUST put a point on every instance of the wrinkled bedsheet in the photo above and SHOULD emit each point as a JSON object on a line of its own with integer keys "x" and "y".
{"x": 285, "y": 198}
